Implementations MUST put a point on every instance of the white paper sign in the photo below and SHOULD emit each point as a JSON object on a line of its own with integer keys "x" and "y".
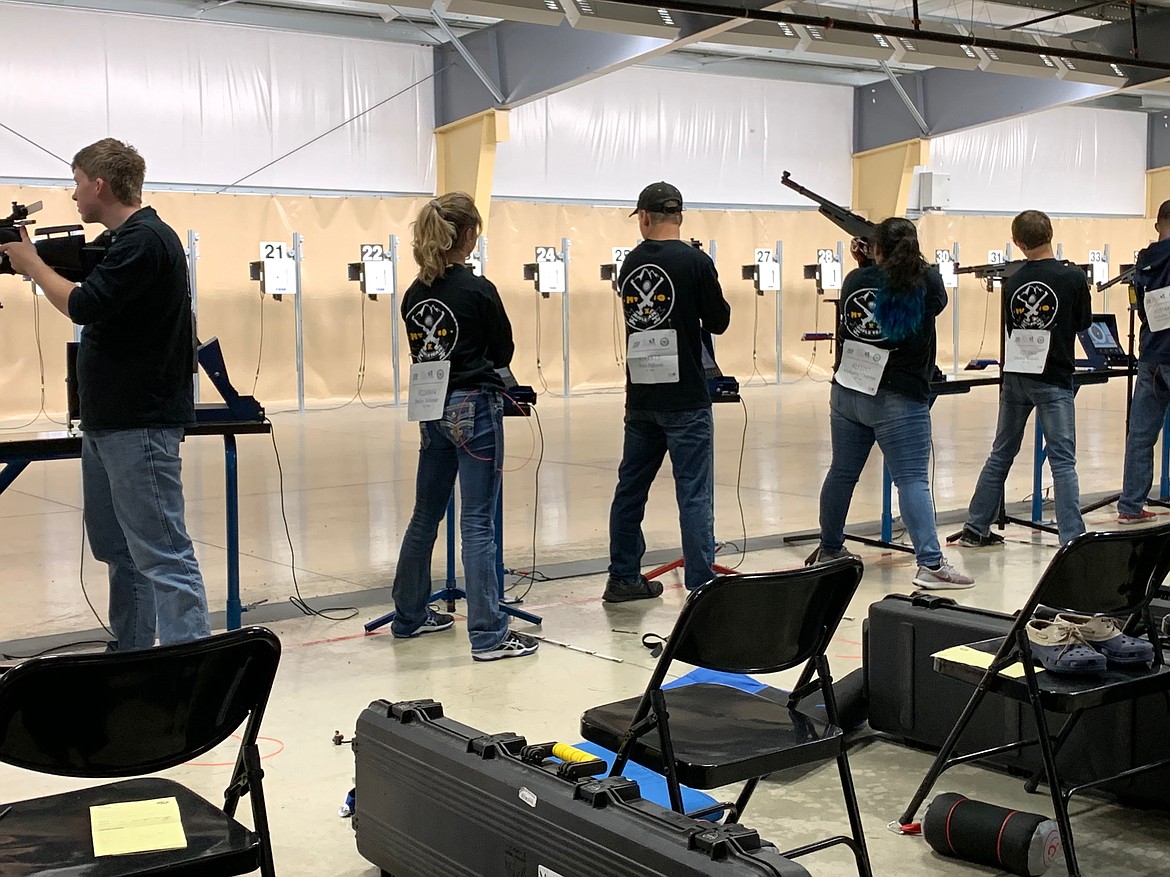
{"x": 619, "y": 255}
{"x": 1157, "y": 306}
{"x": 652, "y": 357}
{"x": 473, "y": 262}
{"x": 830, "y": 275}
{"x": 428, "y": 390}
{"x": 862, "y": 366}
{"x": 274, "y": 250}
{"x": 946, "y": 268}
{"x": 377, "y": 276}
{"x": 1026, "y": 351}
{"x": 995, "y": 257}
{"x": 769, "y": 273}
{"x": 550, "y": 276}
{"x": 279, "y": 276}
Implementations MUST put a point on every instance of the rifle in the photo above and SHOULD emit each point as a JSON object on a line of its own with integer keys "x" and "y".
{"x": 846, "y": 220}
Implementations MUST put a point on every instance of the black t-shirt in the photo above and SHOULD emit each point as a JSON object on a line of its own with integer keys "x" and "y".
{"x": 136, "y": 358}
{"x": 1049, "y": 294}
{"x": 911, "y": 361}
{"x": 672, "y": 285}
{"x": 459, "y": 318}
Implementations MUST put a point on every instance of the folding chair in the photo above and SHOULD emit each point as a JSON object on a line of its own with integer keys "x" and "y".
{"x": 713, "y": 735}
{"x": 129, "y": 714}
{"x": 1098, "y": 573}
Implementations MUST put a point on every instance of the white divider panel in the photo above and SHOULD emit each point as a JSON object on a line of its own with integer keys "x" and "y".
{"x": 1068, "y": 160}
{"x": 208, "y": 103}
{"x": 720, "y": 139}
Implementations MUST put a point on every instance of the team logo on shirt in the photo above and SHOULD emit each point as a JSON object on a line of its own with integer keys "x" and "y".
{"x": 857, "y": 316}
{"x": 1034, "y": 306}
{"x": 432, "y": 331}
{"x": 647, "y": 297}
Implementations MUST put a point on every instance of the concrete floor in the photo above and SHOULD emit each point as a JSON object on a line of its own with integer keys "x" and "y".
{"x": 348, "y": 493}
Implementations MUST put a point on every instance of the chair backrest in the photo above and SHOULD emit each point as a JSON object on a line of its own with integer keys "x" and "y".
{"x": 1113, "y": 573}
{"x": 138, "y": 712}
{"x": 765, "y": 622}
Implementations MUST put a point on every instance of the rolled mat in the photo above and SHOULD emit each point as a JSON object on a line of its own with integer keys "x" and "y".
{"x": 1022, "y": 843}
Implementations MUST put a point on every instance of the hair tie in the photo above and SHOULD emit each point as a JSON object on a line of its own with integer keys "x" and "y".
{"x": 438, "y": 207}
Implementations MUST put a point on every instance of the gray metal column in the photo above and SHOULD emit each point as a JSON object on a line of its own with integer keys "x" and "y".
{"x": 298, "y": 255}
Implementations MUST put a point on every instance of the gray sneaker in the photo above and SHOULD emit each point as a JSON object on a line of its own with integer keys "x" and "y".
{"x": 514, "y": 645}
{"x": 944, "y": 578}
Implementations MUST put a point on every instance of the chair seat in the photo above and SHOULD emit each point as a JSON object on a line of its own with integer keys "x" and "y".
{"x": 52, "y": 835}
{"x": 1062, "y": 693}
{"x": 721, "y": 735}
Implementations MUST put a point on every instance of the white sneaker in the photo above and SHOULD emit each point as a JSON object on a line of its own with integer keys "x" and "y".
{"x": 944, "y": 578}
{"x": 514, "y": 645}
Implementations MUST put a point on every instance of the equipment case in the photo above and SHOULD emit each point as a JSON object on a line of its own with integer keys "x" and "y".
{"x": 912, "y": 702}
{"x": 436, "y": 798}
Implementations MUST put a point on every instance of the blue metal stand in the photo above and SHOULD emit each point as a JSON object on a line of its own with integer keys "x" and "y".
{"x": 231, "y": 468}
{"x": 450, "y": 592}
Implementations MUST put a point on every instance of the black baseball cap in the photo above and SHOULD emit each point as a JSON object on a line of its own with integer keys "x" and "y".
{"x": 660, "y": 198}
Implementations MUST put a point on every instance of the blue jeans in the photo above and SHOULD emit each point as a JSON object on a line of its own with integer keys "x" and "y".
{"x": 133, "y": 489}
{"x": 1151, "y": 396}
{"x": 1056, "y": 411}
{"x": 901, "y": 427}
{"x": 649, "y": 435}
{"x": 467, "y": 442}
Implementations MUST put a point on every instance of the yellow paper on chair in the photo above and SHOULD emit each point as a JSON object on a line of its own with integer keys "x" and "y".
{"x": 137, "y": 827}
{"x": 976, "y": 658}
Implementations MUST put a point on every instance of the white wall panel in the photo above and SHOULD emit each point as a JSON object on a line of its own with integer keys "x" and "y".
{"x": 721, "y": 140}
{"x": 1068, "y": 160}
{"x": 208, "y": 103}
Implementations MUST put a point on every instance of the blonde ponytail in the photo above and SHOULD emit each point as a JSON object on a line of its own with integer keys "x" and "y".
{"x": 437, "y": 230}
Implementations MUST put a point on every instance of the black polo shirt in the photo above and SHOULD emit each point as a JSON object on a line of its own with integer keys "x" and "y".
{"x": 136, "y": 359}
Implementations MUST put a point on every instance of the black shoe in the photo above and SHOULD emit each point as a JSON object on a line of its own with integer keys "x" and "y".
{"x": 971, "y": 538}
{"x": 618, "y": 591}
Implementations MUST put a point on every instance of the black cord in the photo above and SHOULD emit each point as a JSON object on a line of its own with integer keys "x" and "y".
{"x": 361, "y": 371}
{"x": 533, "y": 575}
{"x": 539, "y": 370}
{"x": 260, "y": 352}
{"x": 756, "y": 344}
{"x": 739, "y": 484}
{"x": 41, "y": 367}
{"x": 299, "y": 601}
{"x": 986, "y": 312}
{"x": 81, "y": 579}
{"x": 56, "y": 650}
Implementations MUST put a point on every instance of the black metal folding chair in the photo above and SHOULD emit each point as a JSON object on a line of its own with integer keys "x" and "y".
{"x": 1098, "y": 573}
{"x": 712, "y": 735}
{"x": 126, "y": 715}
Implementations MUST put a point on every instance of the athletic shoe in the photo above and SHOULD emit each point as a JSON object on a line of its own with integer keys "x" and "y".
{"x": 435, "y": 622}
{"x": 969, "y": 537}
{"x": 1104, "y": 634}
{"x": 514, "y": 645}
{"x": 1142, "y": 517}
{"x": 618, "y": 591}
{"x": 944, "y": 577}
{"x": 822, "y": 555}
{"x": 1060, "y": 648}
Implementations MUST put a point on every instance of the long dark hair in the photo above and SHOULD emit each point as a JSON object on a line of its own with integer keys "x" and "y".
{"x": 902, "y": 262}
{"x": 901, "y": 303}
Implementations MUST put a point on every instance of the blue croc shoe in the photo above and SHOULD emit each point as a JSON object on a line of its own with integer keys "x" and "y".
{"x": 1060, "y": 648}
{"x": 1104, "y": 634}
